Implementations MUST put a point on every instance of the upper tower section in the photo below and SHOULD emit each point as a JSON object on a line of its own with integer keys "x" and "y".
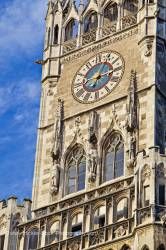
{"x": 71, "y": 25}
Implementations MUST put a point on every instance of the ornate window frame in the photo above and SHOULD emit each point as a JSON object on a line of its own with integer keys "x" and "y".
{"x": 107, "y": 138}
{"x": 75, "y": 154}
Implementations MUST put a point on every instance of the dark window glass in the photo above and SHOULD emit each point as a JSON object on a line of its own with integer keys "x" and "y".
{"x": 162, "y": 195}
{"x": 2, "y": 240}
{"x": 91, "y": 22}
{"x": 131, "y": 6}
{"x": 71, "y": 31}
{"x": 111, "y": 13}
{"x": 33, "y": 240}
{"x": 77, "y": 230}
{"x": 56, "y": 31}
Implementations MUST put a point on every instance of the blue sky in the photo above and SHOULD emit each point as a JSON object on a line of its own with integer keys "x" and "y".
{"x": 21, "y": 43}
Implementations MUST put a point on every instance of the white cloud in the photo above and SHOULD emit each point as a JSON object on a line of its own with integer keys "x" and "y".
{"x": 22, "y": 26}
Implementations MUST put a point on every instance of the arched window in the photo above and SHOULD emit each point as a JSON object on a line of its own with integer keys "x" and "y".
{"x": 145, "y": 247}
{"x": 32, "y": 239}
{"x": 54, "y": 232}
{"x": 77, "y": 222}
{"x": 71, "y": 30}
{"x": 113, "y": 157}
{"x": 161, "y": 247}
{"x": 76, "y": 170}
{"x": 99, "y": 217}
{"x": 130, "y": 7}
{"x": 56, "y": 32}
{"x": 122, "y": 209}
{"x": 125, "y": 247}
{"x": 91, "y": 21}
{"x": 110, "y": 13}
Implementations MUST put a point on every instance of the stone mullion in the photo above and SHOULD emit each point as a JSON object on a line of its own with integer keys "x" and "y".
{"x": 119, "y": 21}
{"x": 79, "y": 38}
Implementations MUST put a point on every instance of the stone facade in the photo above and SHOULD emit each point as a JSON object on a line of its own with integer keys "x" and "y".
{"x": 11, "y": 215}
{"x": 99, "y": 180}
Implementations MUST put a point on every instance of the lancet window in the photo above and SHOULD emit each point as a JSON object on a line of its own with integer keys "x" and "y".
{"x": 113, "y": 157}
{"x": 110, "y": 14}
{"x": 91, "y": 21}
{"x": 99, "y": 217}
{"x": 76, "y": 170}
{"x": 71, "y": 30}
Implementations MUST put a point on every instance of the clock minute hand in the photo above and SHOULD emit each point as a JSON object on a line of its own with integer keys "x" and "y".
{"x": 107, "y": 73}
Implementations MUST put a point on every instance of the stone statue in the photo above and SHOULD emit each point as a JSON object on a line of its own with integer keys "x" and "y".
{"x": 55, "y": 179}
{"x": 92, "y": 163}
{"x": 93, "y": 126}
{"x": 58, "y": 131}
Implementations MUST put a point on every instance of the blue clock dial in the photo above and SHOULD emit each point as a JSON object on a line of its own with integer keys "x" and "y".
{"x": 98, "y": 77}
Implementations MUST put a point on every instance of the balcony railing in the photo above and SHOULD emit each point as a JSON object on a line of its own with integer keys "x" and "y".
{"x": 96, "y": 237}
{"x": 89, "y": 37}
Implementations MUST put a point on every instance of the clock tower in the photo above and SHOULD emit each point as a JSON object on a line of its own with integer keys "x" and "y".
{"x": 100, "y": 170}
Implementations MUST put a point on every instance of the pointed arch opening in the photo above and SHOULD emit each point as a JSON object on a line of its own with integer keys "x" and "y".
{"x": 126, "y": 247}
{"x": 130, "y": 7}
{"x": 161, "y": 247}
{"x": 53, "y": 234}
{"x": 31, "y": 240}
{"x": 56, "y": 34}
{"x": 122, "y": 209}
{"x": 99, "y": 217}
{"x": 110, "y": 14}
{"x": 75, "y": 170}
{"x": 76, "y": 224}
{"x": 145, "y": 247}
{"x": 71, "y": 30}
{"x": 113, "y": 157}
{"x": 90, "y": 22}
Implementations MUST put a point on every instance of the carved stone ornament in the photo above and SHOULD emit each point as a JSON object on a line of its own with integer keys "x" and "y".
{"x": 120, "y": 231}
{"x": 75, "y": 245}
{"x": 3, "y": 221}
{"x": 145, "y": 173}
{"x": 56, "y": 152}
{"x": 97, "y": 237}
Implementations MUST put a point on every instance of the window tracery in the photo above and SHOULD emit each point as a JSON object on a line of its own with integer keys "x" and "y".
{"x": 113, "y": 157}
{"x": 76, "y": 170}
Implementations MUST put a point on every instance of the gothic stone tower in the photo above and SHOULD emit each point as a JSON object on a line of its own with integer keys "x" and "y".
{"x": 100, "y": 172}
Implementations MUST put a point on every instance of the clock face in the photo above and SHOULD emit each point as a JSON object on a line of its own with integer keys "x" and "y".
{"x": 98, "y": 77}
